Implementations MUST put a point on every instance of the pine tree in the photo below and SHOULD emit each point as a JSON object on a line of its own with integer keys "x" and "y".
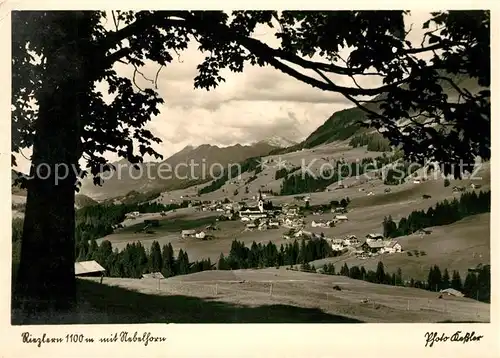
{"x": 470, "y": 285}
{"x": 344, "y": 271}
{"x": 484, "y": 284}
{"x": 155, "y": 258}
{"x": 168, "y": 261}
{"x": 182, "y": 263}
{"x": 221, "y": 264}
{"x": 438, "y": 278}
{"x": 93, "y": 248}
{"x": 445, "y": 280}
{"x": 363, "y": 273}
{"x": 434, "y": 280}
{"x": 430, "y": 278}
{"x": 302, "y": 252}
{"x": 456, "y": 281}
{"x": 399, "y": 277}
{"x": 385, "y": 227}
{"x": 380, "y": 273}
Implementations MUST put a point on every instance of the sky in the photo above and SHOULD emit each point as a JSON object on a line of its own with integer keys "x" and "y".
{"x": 250, "y": 106}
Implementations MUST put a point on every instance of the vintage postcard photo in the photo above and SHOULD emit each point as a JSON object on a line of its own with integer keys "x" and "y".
{"x": 249, "y": 166}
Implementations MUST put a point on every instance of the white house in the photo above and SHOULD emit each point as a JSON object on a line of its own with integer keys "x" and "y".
{"x": 200, "y": 235}
{"x": 292, "y": 211}
{"x": 392, "y": 246}
{"x": 320, "y": 223}
{"x": 341, "y": 218}
{"x": 337, "y": 244}
{"x": 273, "y": 224}
{"x": 292, "y": 223}
{"x": 245, "y": 219}
{"x": 351, "y": 240}
{"x": 303, "y": 233}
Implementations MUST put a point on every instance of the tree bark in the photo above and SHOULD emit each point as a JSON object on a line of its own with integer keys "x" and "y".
{"x": 45, "y": 282}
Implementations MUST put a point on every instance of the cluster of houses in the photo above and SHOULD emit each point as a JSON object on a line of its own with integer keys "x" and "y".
{"x": 288, "y": 216}
{"x": 199, "y": 234}
{"x": 329, "y": 223}
{"x": 374, "y": 244}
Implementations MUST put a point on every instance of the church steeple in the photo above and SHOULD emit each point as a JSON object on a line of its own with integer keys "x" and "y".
{"x": 260, "y": 203}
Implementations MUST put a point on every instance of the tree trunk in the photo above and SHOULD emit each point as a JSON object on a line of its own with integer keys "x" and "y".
{"x": 46, "y": 276}
{"x": 45, "y": 282}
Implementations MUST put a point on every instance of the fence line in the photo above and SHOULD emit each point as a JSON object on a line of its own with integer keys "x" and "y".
{"x": 277, "y": 290}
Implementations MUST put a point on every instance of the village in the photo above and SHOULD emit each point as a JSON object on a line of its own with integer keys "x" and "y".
{"x": 265, "y": 216}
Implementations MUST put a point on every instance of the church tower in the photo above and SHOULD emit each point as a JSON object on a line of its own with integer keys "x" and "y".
{"x": 260, "y": 203}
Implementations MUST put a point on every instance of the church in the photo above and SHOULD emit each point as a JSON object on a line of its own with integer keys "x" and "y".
{"x": 255, "y": 212}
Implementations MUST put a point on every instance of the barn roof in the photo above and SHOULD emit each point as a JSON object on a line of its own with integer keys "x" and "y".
{"x": 373, "y": 236}
{"x": 375, "y": 244}
{"x": 84, "y": 267}
{"x": 453, "y": 292}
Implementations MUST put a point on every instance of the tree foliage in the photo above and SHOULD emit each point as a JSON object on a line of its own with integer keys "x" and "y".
{"x": 444, "y": 213}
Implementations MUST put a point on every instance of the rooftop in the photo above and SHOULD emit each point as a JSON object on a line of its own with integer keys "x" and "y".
{"x": 84, "y": 267}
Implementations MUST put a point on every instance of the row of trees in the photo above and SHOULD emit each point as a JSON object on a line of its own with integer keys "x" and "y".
{"x": 268, "y": 255}
{"x": 477, "y": 284}
{"x": 374, "y": 142}
{"x": 444, "y": 213}
{"x": 360, "y": 273}
{"x": 134, "y": 260}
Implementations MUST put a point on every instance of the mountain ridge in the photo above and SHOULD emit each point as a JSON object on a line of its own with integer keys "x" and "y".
{"x": 189, "y": 165}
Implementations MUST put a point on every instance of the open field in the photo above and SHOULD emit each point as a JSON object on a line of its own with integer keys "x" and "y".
{"x": 458, "y": 246}
{"x": 246, "y": 296}
{"x": 170, "y": 232}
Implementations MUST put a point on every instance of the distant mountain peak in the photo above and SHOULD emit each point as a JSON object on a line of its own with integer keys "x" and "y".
{"x": 277, "y": 141}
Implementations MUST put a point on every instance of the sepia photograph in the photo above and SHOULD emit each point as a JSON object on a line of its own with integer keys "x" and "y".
{"x": 250, "y": 166}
